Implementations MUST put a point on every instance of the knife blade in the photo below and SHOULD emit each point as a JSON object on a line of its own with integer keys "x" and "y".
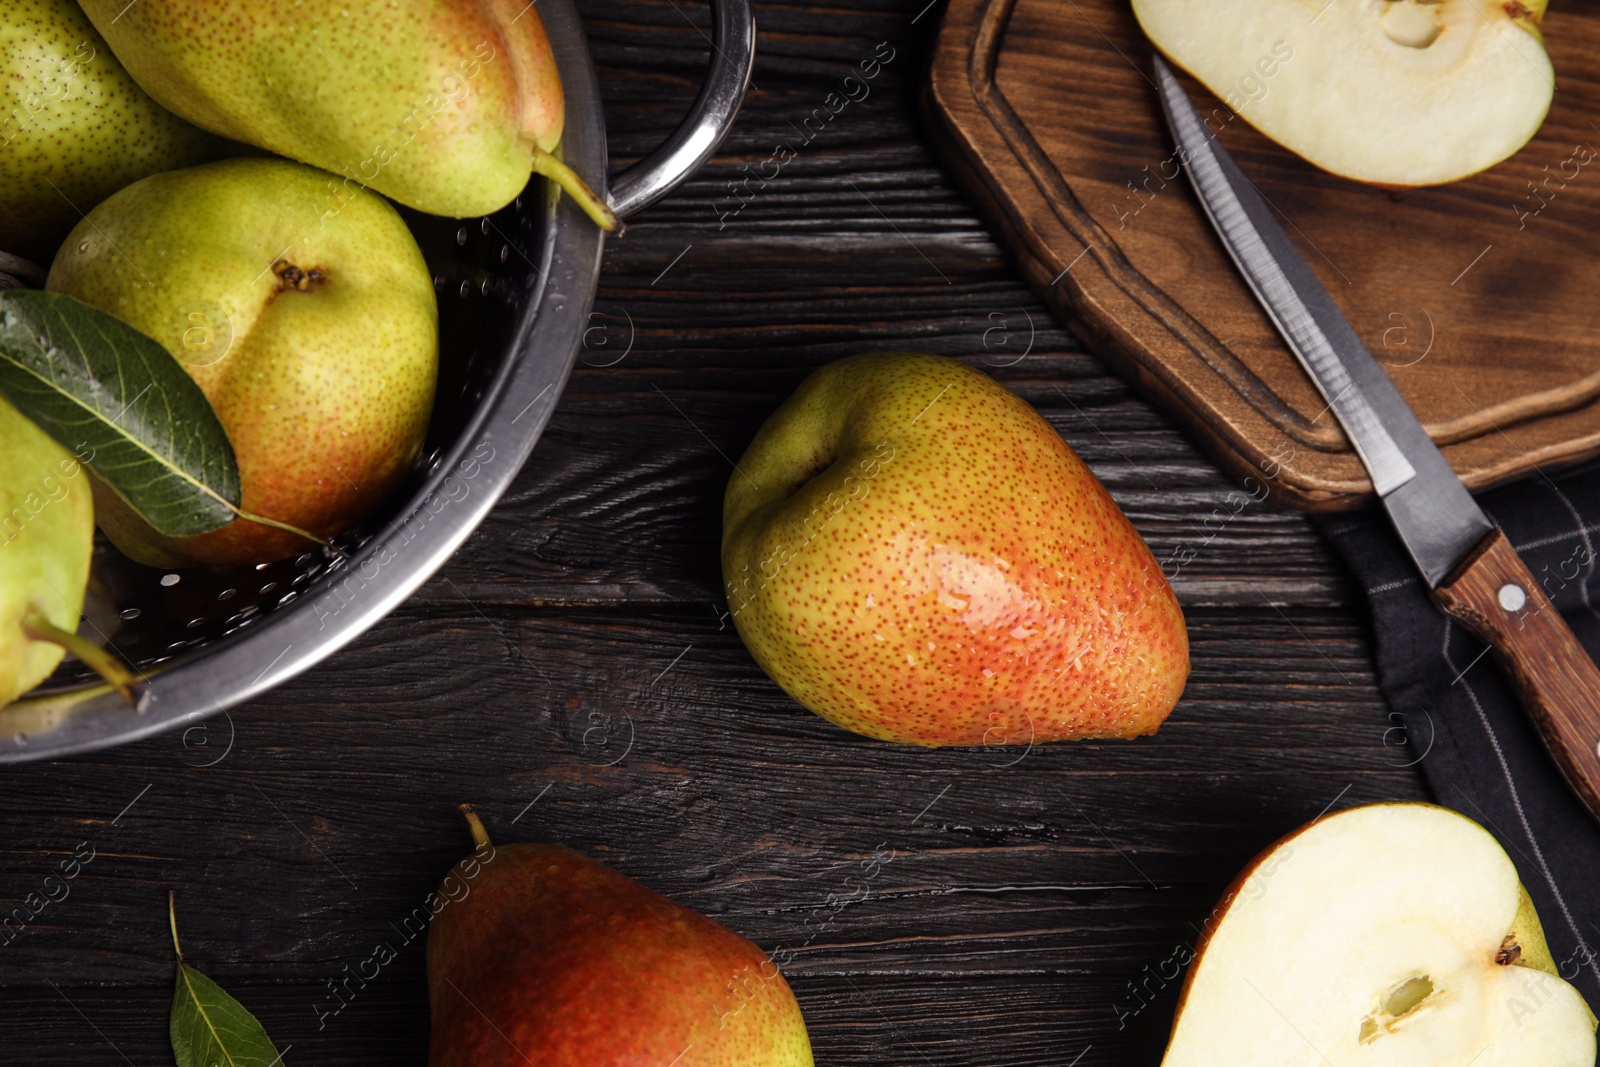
{"x": 1471, "y": 570}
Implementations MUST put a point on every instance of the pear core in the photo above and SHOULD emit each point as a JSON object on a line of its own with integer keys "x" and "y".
{"x": 1391, "y": 92}
{"x": 1399, "y": 1004}
{"x": 1390, "y": 935}
{"x": 1411, "y": 24}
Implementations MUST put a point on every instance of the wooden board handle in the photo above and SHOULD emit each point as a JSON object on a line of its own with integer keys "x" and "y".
{"x": 1492, "y": 594}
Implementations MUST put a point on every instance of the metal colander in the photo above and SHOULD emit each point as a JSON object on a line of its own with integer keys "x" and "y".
{"x": 514, "y": 293}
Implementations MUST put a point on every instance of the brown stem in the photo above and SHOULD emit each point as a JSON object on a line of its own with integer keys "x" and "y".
{"x": 480, "y": 836}
{"x": 172, "y": 920}
{"x": 18, "y": 271}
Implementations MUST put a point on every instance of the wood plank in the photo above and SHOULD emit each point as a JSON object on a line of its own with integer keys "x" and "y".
{"x": 921, "y": 1019}
{"x": 333, "y": 813}
{"x": 1022, "y": 894}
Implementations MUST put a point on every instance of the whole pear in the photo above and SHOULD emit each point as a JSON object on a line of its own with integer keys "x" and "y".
{"x": 46, "y": 537}
{"x": 912, "y": 552}
{"x": 444, "y": 105}
{"x": 538, "y": 954}
{"x": 74, "y": 127}
{"x": 314, "y": 336}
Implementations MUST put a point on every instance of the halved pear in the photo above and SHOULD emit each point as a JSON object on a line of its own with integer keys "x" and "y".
{"x": 1392, "y": 92}
{"x": 1391, "y": 935}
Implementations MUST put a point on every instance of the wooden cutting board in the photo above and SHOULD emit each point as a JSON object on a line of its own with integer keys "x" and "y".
{"x": 1482, "y": 298}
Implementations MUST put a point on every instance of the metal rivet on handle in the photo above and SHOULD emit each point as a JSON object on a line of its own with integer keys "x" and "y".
{"x": 1513, "y": 597}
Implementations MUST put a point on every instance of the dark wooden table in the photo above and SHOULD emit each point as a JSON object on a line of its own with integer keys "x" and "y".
{"x": 572, "y": 670}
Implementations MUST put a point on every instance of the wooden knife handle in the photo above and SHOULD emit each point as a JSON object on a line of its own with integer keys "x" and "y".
{"x": 1491, "y": 593}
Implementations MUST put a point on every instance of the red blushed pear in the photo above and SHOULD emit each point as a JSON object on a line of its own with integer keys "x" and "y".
{"x": 912, "y": 552}
{"x": 549, "y": 957}
{"x": 315, "y": 339}
{"x": 447, "y": 106}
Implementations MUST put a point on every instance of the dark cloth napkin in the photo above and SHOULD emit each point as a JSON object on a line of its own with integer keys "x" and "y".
{"x": 1454, "y": 714}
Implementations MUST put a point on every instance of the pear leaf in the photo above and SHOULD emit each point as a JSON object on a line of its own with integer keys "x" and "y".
{"x": 209, "y": 1028}
{"x": 118, "y": 400}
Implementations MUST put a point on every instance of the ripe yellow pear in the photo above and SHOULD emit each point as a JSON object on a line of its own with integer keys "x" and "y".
{"x": 74, "y": 127}
{"x": 447, "y": 106}
{"x": 46, "y": 537}
{"x": 313, "y": 333}
{"x": 911, "y": 551}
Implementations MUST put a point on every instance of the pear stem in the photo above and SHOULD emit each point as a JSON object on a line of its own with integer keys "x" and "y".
{"x": 548, "y": 165}
{"x": 172, "y": 919}
{"x": 250, "y": 516}
{"x": 103, "y": 663}
{"x": 480, "y": 836}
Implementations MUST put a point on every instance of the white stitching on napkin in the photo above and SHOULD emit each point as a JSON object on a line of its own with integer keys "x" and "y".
{"x": 1389, "y": 587}
{"x": 1522, "y": 816}
{"x": 1588, "y": 546}
{"x": 1586, "y": 529}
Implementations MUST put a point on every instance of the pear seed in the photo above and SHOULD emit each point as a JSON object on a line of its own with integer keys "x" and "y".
{"x": 1411, "y": 24}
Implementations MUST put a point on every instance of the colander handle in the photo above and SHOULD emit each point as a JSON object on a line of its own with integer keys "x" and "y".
{"x": 733, "y": 53}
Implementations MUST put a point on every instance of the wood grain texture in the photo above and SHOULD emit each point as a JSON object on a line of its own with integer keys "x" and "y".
{"x": 1493, "y": 595}
{"x": 1472, "y": 295}
{"x": 1030, "y": 903}
{"x": 1056, "y": 877}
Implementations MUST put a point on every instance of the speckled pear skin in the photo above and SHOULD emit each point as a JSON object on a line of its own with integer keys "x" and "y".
{"x": 912, "y": 552}
{"x": 435, "y": 103}
{"x": 74, "y": 127}
{"x": 46, "y": 538}
{"x": 575, "y": 965}
{"x": 315, "y": 339}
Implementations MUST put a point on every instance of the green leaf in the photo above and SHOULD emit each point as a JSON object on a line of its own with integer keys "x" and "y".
{"x": 210, "y": 1028}
{"x": 118, "y": 400}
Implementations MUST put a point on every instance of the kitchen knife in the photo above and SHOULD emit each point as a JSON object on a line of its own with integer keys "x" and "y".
{"x": 1473, "y": 573}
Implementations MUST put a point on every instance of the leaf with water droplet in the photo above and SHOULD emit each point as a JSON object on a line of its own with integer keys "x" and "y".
{"x": 119, "y": 401}
{"x": 209, "y": 1028}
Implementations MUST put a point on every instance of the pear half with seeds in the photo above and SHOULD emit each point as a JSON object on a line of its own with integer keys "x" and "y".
{"x": 1390, "y": 92}
{"x": 1391, "y": 935}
